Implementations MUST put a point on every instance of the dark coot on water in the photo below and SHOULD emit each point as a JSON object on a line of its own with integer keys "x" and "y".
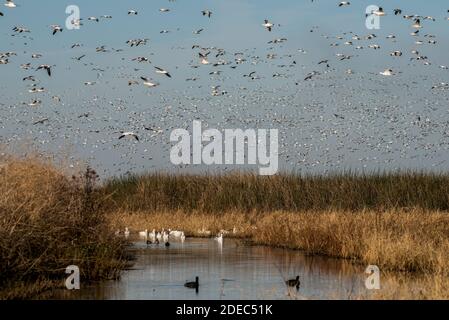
{"x": 293, "y": 282}
{"x": 193, "y": 284}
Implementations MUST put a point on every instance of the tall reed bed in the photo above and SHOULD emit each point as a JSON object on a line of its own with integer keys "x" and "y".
{"x": 289, "y": 192}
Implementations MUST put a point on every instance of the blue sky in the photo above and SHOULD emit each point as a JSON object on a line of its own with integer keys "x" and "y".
{"x": 379, "y": 112}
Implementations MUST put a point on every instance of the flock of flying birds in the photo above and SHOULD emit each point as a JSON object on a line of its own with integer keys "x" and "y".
{"x": 322, "y": 121}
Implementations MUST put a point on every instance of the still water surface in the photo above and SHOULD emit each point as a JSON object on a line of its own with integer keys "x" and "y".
{"x": 231, "y": 271}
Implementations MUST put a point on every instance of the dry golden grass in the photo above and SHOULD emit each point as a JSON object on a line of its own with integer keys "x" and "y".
{"x": 414, "y": 242}
{"x": 247, "y": 192}
{"x": 403, "y": 287}
{"x": 399, "y": 240}
{"x": 398, "y": 221}
{"x": 47, "y": 222}
{"x": 411, "y": 241}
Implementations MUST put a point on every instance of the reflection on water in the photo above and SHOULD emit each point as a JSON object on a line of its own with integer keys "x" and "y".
{"x": 234, "y": 271}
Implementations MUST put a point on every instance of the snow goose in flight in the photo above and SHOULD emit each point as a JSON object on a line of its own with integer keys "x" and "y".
{"x": 56, "y": 28}
{"x": 41, "y": 121}
{"x": 79, "y": 58}
{"x": 76, "y": 22}
{"x": 148, "y": 83}
{"x": 278, "y": 40}
{"x": 379, "y": 12}
{"x": 36, "y": 90}
{"x": 164, "y": 10}
{"x": 162, "y": 71}
{"x": 141, "y": 59}
{"x": 250, "y": 75}
{"x": 387, "y": 72}
{"x": 93, "y": 19}
{"x": 35, "y": 103}
{"x": 29, "y": 78}
{"x": 417, "y": 24}
{"x": 154, "y": 130}
{"x": 268, "y": 25}
{"x": 206, "y": 13}
{"x": 441, "y": 85}
{"x": 134, "y": 12}
{"x": 129, "y": 135}
{"x": 203, "y": 58}
{"x": 344, "y": 3}
{"x": 45, "y": 67}
{"x": 20, "y": 29}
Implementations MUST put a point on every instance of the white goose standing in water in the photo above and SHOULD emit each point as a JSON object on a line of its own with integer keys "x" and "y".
{"x": 165, "y": 236}
{"x": 143, "y": 234}
{"x": 219, "y": 238}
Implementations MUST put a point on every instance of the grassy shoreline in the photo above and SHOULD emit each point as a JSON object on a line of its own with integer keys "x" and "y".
{"x": 412, "y": 252}
{"x": 399, "y": 240}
